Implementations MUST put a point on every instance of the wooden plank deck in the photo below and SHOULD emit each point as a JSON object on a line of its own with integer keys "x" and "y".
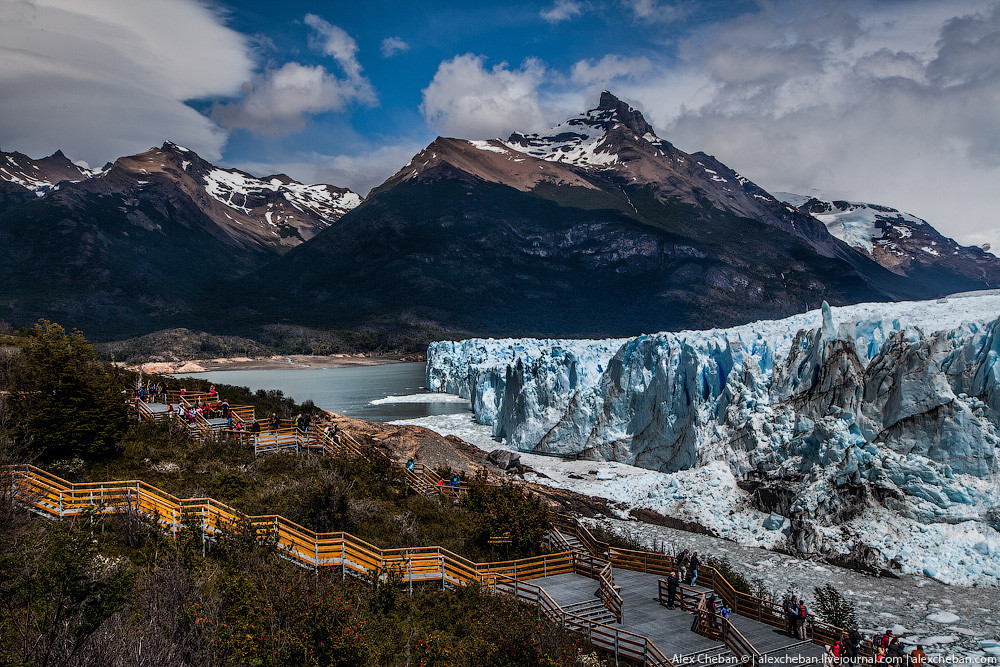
{"x": 669, "y": 629}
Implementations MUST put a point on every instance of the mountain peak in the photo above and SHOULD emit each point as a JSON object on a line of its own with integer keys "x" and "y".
{"x": 625, "y": 114}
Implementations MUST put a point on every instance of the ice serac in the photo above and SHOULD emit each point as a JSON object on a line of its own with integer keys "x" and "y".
{"x": 842, "y": 420}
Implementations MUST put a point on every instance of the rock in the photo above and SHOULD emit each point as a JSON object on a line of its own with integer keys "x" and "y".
{"x": 943, "y": 617}
{"x": 573, "y": 475}
{"x": 605, "y": 475}
{"x": 505, "y": 460}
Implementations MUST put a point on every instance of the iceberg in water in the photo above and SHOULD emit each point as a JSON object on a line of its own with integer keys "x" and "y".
{"x": 823, "y": 418}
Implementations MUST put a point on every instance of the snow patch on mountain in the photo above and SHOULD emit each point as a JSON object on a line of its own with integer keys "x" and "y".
{"x": 34, "y": 174}
{"x": 580, "y": 140}
{"x": 235, "y": 189}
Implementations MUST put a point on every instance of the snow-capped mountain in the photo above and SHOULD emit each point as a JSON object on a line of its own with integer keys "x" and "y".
{"x": 597, "y": 228}
{"x": 273, "y": 210}
{"x": 612, "y": 147}
{"x": 40, "y": 176}
{"x": 148, "y": 241}
{"x": 901, "y": 242}
{"x": 615, "y": 140}
{"x": 866, "y": 434}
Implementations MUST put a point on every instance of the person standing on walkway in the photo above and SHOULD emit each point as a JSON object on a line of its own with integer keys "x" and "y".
{"x": 695, "y": 562}
{"x": 671, "y": 590}
{"x": 918, "y": 657}
{"x": 801, "y": 620}
{"x": 682, "y": 565}
{"x": 275, "y": 422}
{"x": 791, "y": 615}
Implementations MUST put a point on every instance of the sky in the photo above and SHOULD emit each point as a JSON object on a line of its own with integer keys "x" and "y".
{"x": 895, "y": 102}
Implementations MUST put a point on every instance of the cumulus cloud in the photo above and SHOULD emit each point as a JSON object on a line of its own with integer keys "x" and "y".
{"x": 105, "y": 78}
{"x": 467, "y": 99}
{"x": 562, "y": 10}
{"x": 279, "y": 100}
{"x": 392, "y": 46}
{"x": 609, "y": 68}
{"x": 859, "y": 101}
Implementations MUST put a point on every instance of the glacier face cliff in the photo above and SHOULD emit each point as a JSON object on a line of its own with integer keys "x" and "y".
{"x": 839, "y": 420}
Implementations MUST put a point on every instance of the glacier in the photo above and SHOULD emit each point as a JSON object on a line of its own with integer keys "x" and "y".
{"x": 863, "y": 434}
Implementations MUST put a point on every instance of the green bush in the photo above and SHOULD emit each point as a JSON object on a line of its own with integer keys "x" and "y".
{"x": 833, "y": 608}
{"x": 63, "y": 402}
{"x": 495, "y": 510}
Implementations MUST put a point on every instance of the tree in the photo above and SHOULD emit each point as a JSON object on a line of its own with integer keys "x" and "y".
{"x": 833, "y": 608}
{"x": 496, "y": 510}
{"x": 64, "y": 402}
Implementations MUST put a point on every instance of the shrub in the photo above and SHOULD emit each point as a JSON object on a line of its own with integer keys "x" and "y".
{"x": 64, "y": 403}
{"x": 495, "y": 510}
{"x": 833, "y": 608}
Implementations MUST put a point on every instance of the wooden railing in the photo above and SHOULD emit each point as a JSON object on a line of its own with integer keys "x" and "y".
{"x": 749, "y": 606}
{"x": 54, "y": 496}
{"x": 723, "y": 630}
{"x": 621, "y": 642}
{"x": 608, "y": 593}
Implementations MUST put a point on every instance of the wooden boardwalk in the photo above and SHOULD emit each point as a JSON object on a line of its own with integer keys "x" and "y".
{"x": 670, "y": 629}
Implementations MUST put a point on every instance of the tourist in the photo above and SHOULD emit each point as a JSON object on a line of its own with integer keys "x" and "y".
{"x": 440, "y": 486}
{"x": 710, "y": 605}
{"x": 275, "y": 422}
{"x": 800, "y": 619}
{"x": 211, "y": 392}
{"x": 853, "y": 643}
{"x": 918, "y": 657}
{"x": 682, "y": 564}
{"x": 671, "y": 590}
{"x": 695, "y": 562}
{"x": 455, "y": 482}
{"x": 410, "y": 465}
{"x": 791, "y": 606}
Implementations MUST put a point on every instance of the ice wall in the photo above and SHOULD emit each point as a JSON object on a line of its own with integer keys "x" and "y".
{"x": 825, "y": 415}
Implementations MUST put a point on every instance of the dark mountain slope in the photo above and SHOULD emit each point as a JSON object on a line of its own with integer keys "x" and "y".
{"x": 489, "y": 259}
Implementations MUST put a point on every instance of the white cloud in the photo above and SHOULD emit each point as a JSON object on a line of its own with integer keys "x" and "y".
{"x": 334, "y": 41}
{"x": 392, "y": 46}
{"x": 609, "y": 68}
{"x": 562, "y": 10}
{"x": 863, "y": 101}
{"x": 465, "y": 99}
{"x": 655, "y": 11}
{"x": 279, "y": 100}
{"x": 105, "y": 78}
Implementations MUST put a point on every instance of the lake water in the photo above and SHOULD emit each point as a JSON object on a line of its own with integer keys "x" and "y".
{"x": 397, "y": 390}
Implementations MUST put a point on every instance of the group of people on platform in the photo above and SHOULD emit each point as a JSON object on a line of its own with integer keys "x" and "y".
{"x": 888, "y": 650}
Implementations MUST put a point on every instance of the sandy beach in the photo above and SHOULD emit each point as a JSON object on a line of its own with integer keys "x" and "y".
{"x": 276, "y": 362}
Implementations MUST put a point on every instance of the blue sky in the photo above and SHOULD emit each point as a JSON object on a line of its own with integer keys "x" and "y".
{"x": 888, "y": 101}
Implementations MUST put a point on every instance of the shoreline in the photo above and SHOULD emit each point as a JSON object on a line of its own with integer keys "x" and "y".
{"x": 275, "y": 362}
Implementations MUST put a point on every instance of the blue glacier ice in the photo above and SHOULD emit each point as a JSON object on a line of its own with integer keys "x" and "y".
{"x": 890, "y": 407}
